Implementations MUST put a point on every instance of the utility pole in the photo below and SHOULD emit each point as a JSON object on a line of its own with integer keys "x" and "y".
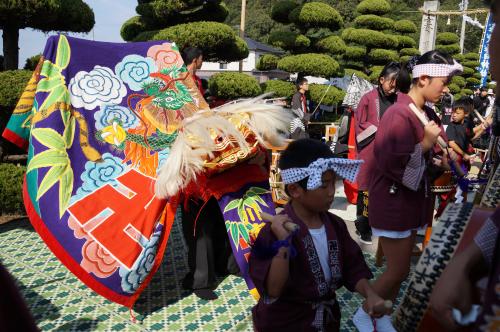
{"x": 464, "y": 5}
{"x": 242, "y": 26}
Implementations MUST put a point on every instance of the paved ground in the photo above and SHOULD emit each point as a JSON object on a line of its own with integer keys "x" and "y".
{"x": 60, "y": 302}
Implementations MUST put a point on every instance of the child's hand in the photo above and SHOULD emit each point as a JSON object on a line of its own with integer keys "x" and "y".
{"x": 376, "y": 307}
{"x": 277, "y": 226}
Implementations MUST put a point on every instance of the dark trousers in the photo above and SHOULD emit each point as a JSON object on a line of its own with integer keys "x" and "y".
{"x": 361, "y": 223}
{"x": 209, "y": 251}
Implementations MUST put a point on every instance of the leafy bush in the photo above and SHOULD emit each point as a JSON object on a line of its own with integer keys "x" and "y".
{"x": 32, "y": 62}
{"x": 468, "y": 72}
{"x": 449, "y": 49}
{"x": 11, "y": 180}
{"x": 374, "y": 22}
{"x": 478, "y": 75}
{"x": 133, "y": 27}
{"x": 471, "y": 56}
{"x": 406, "y": 42}
{"x": 316, "y": 14}
{"x": 359, "y": 73}
{"x": 377, "y": 7}
{"x": 267, "y": 62}
{"x": 375, "y": 73}
{"x": 369, "y": 38}
{"x": 354, "y": 52}
{"x": 492, "y": 86}
{"x": 280, "y": 88}
{"x": 409, "y": 51}
{"x": 332, "y": 45}
{"x": 302, "y": 42}
{"x": 218, "y": 41}
{"x": 405, "y": 26}
{"x": 321, "y": 65}
{"x": 466, "y": 92}
{"x": 332, "y": 97}
{"x": 12, "y": 84}
{"x": 405, "y": 58}
{"x": 381, "y": 56}
{"x": 473, "y": 82}
{"x": 282, "y": 9}
{"x": 454, "y": 89}
{"x": 286, "y": 40}
{"x": 470, "y": 64}
{"x": 447, "y": 38}
{"x": 458, "y": 80}
{"x": 233, "y": 85}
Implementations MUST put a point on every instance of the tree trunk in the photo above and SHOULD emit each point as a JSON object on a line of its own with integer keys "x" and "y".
{"x": 10, "y": 47}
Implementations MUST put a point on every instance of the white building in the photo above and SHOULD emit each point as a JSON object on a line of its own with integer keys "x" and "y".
{"x": 256, "y": 50}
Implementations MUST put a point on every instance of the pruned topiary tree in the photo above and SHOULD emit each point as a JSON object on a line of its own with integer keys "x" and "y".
{"x": 233, "y": 85}
{"x": 279, "y": 88}
{"x": 311, "y": 38}
{"x": 44, "y": 15}
{"x": 187, "y": 22}
{"x": 371, "y": 41}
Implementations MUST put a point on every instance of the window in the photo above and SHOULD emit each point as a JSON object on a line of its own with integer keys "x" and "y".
{"x": 222, "y": 65}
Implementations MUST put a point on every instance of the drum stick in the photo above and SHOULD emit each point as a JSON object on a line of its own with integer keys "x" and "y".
{"x": 479, "y": 116}
{"x": 289, "y": 226}
{"x": 442, "y": 143}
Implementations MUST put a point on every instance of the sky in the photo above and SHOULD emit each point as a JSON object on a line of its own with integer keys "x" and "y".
{"x": 109, "y": 17}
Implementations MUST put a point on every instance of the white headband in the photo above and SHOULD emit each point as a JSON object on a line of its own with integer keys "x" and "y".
{"x": 345, "y": 168}
{"x": 436, "y": 70}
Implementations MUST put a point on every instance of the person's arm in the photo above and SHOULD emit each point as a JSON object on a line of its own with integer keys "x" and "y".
{"x": 279, "y": 270}
{"x": 456, "y": 148}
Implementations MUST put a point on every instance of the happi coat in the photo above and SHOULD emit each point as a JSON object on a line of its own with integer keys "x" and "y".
{"x": 399, "y": 161}
{"x": 368, "y": 115}
{"x": 307, "y": 302}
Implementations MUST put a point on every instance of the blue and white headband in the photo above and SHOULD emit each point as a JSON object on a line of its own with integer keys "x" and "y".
{"x": 345, "y": 168}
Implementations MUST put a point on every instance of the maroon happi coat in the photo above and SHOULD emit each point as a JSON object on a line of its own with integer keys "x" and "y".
{"x": 308, "y": 302}
{"x": 399, "y": 162}
{"x": 367, "y": 114}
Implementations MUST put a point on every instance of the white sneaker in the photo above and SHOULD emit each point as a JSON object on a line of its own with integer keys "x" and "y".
{"x": 362, "y": 321}
{"x": 384, "y": 324}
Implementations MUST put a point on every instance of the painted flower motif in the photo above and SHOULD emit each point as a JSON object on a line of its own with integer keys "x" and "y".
{"x": 132, "y": 279}
{"x": 99, "y": 86}
{"x": 165, "y": 55}
{"x": 134, "y": 70}
{"x": 97, "y": 175}
{"x": 95, "y": 259}
{"x": 108, "y": 113}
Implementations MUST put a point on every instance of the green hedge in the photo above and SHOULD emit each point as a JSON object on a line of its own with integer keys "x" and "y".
{"x": 282, "y": 9}
{"x": 218, "y": 41}
{"x": 280, "y": 88}
{"x": 409, "y": 51}
{"x": 359, "y": 73}
{"x": 316, "y": 14}
{"x": 405, "y": 26}
{"x": 447, "y": 38}
{"x": 267, "y": 62}
{"x": 471, "y": 56}
{"x": 333, "y": 96}
{"x": 332, "y": 45}
{"x": 354, "y": 52}
{"x": 369, "y": 38}
{"x": 233, "y": 85}
{"x": 459, "y": 81}
{"x": 382, "y": 56}
{"x": 454, "y": 89}
{"x": 321, "y": 65}
{"x": 12, "y": 84}
{"x": 405, "y": 42}
{"x": 405, "y": 58}
{"x": 449, "y": 49}
{"x": 374, "y": 22}
{"x": 377, "y": 7}
{"x": 11, "y": 181}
